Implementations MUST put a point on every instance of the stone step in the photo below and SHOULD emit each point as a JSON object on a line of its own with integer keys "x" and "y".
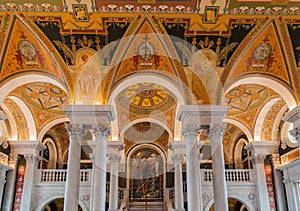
{"x": 141, "y": 206}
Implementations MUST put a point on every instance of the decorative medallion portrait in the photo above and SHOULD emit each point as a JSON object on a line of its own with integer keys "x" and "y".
{"x": 27, "y": 49}
{"x": 262, "y": 52}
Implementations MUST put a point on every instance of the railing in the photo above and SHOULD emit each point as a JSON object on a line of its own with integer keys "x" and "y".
{"x": 231, "y": 175}
{"x": 60, "y": 175}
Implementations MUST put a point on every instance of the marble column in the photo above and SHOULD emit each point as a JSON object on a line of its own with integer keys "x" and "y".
{"x": 258, "y": 151}
{"x": 102, "y": 132}
{"x": 192, "y": 168}
{"x": 114, "y": 181}
{"x": 76, "y": 133}
{"x": 278, "y": 184}
{"x": 8, "y": 197}
{"x": 3, "y": 170}
{"x": 32, "y": 162}
{"x": 179, "y": 200}
{"x": 215, "y": 136}
{"x": 261, "y": 184}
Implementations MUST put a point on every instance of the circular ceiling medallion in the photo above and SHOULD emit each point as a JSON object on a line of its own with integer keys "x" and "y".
{"x": 143, "y": 98}
{"x": 45, "y": 96}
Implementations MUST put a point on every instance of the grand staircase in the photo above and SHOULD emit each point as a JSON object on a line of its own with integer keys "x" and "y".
{"x": 151, "y": 206}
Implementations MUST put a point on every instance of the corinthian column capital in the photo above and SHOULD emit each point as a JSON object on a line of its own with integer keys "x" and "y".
{"x": 114, "y": 158}
{"x": 76, "y": 131}
{"x": 257, "y": 159}
{"x": 102, "y": 130}
{"x": 216, "y": 131}
{"x": 190, "y": 132}
{"x": 32, "y": 160}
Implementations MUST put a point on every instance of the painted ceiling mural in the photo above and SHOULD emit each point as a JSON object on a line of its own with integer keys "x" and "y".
{"x": 52, "y": 39}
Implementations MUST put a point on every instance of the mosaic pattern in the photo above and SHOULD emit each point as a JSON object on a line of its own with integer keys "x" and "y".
{"x": 45, "y": 96}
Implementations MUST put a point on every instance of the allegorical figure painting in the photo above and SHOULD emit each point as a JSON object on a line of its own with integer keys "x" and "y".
{"x": 146, "y": 182}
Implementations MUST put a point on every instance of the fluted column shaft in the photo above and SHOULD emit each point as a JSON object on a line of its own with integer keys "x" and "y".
{"x": 261, "y": 189}
{"x": 99, "y": 190}
{"x": 215, "y": 135}
{"x": 76, "y": 133}
{"x": 192, "y": 168}
{"x": 28, "y": 187}
{"x": 114, "y": 181}
{"x": 179, "y": 200}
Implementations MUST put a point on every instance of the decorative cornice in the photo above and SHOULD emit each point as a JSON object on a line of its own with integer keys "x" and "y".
{"x": 263, "y": 147}
{"x": 201, "y": 114}
{"x": 26, "y": 147}
{"x": 89, "y": 114}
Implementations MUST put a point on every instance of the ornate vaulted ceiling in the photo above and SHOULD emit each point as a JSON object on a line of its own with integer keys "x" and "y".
{"x": 52, "y": 54}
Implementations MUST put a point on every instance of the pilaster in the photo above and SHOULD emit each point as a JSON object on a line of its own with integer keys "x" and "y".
{"x": 31, "y": 151}
{"x": 114, "y": 160}
{"x": 259, "y": 150}
{"x": 278, "y": 184}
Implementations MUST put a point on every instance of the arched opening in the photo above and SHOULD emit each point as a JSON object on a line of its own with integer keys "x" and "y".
{"x": 57, "y": 205}
{"x": 49, "y": 156}
{"x": 233, "y": 205}
{"x": 241, "y": 156}
{"x": 146, "y": 167}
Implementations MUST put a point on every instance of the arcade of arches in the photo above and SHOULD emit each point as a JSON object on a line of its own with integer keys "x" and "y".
{"x": 149, "y": 105}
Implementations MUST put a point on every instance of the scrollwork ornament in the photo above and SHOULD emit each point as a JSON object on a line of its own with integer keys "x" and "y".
{"x": 296, "y": 133}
